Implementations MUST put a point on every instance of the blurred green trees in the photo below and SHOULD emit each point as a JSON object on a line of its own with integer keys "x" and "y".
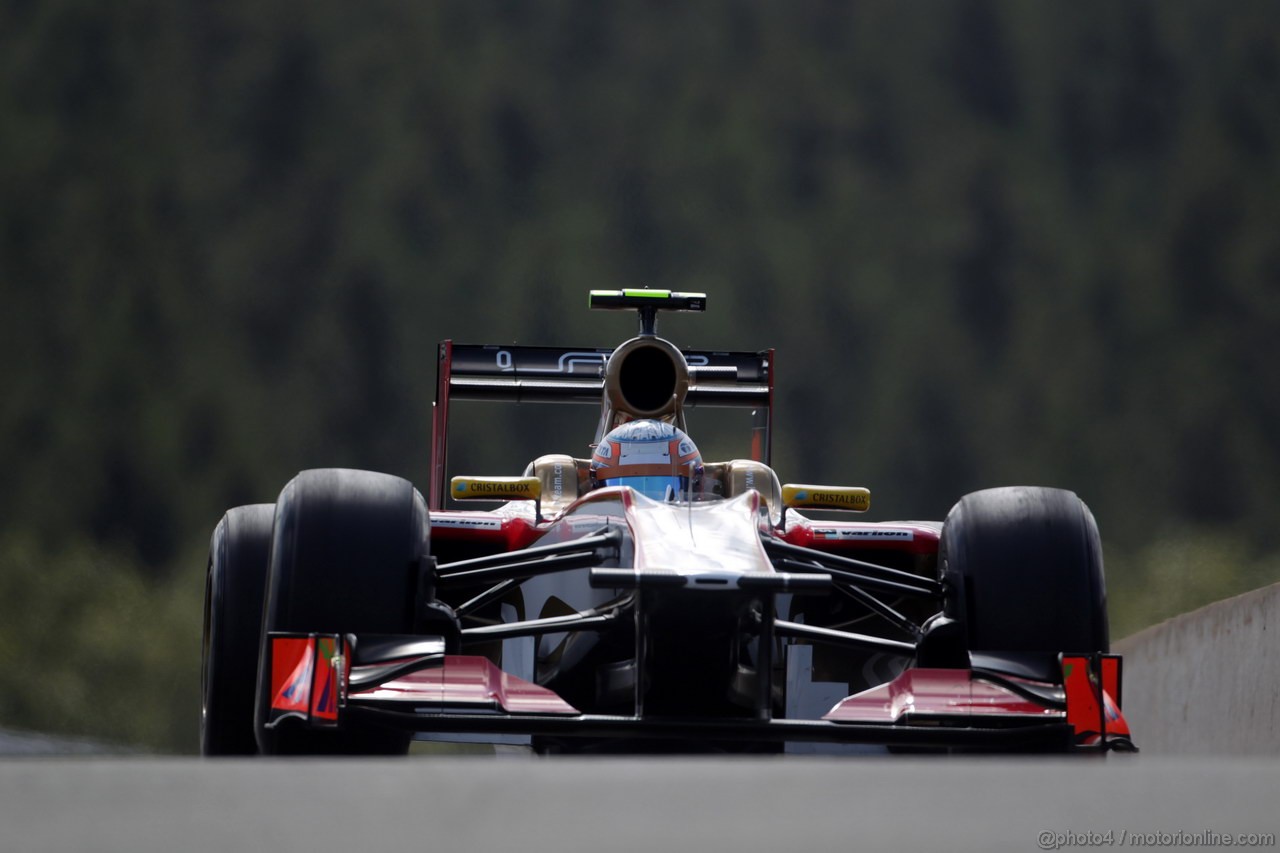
{"x": 993, "y": 243}
{"x": 88, "y": 646}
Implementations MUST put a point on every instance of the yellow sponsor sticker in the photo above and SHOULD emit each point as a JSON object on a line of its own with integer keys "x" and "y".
{"x": 850, "y": 498}
{"x": 495, "y": 488}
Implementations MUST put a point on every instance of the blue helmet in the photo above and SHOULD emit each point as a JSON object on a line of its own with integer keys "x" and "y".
{"x": 653, "y": 457}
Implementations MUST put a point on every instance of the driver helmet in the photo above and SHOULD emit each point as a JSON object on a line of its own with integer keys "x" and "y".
{"x": 653, "y": 457}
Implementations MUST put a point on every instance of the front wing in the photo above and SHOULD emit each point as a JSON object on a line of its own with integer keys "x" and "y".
{"x": 325, "y": 680}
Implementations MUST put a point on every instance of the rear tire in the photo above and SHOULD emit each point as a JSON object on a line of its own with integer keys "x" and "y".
{"x": 234, "y": 588}
{"x": 345, "y": 555}
{"x": 1024, "y": 576}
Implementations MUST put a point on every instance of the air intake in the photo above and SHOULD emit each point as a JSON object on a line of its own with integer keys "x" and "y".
{"x": 646, "y": 378}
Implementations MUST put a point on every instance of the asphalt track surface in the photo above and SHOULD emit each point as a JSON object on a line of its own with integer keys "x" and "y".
{"x": 664, "y": 804}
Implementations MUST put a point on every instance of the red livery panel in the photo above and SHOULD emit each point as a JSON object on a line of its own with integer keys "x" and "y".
{"x": 466, "y": 681}
{"x": 956, "y": 695}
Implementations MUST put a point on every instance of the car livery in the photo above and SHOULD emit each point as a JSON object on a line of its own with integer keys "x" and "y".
{"x": 356, "y": 613}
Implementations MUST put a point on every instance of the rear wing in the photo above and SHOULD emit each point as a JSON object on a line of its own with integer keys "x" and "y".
{"x": 523, "y": 374}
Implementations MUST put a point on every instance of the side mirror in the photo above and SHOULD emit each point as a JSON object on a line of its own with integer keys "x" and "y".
{"x": 498, "y": 489}
{"x": 845, "y": 498}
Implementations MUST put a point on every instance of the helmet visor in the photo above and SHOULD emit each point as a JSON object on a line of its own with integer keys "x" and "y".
{"x": 658, "y": 488}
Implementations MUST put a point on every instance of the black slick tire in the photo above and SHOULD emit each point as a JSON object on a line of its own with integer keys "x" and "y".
{"x": 234, "y": 587}
{"x": 1024, "y": 576}
{"x": 345, "y": 555}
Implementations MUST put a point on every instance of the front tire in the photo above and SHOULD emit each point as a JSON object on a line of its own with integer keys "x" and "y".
{"x": 345, "y": 555}
{"x": 1024, "y": 575}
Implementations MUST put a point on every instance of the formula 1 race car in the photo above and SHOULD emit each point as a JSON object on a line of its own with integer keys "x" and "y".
{"x": 645, "y": 600}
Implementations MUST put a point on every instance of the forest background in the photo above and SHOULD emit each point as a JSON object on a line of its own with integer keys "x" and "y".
{"x": 992, "y": 243}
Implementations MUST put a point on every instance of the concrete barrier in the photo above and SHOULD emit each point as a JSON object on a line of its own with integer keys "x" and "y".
{"x": 1207, "y": 682}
